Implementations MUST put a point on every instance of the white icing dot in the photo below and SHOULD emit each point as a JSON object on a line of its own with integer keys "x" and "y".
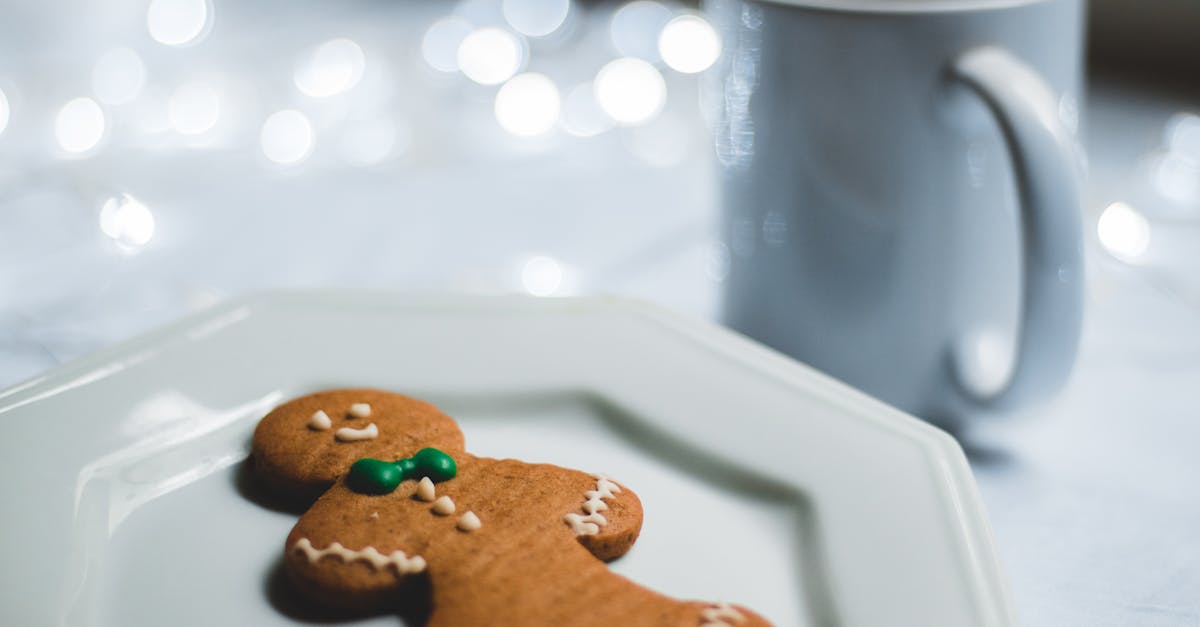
{"x": 425, "y": 490}
{"x": 319, "y": 421}
{"x": 346, "y": 434}
{"x": 360, "y": 410}
{"x": 444, "y": 506}
{"x": 469, "y": 522}
{"x": 374, "y": 516}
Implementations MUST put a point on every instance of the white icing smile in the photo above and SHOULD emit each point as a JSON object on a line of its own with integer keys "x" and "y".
{"x": 403, "y": 564}
{"x": 346, "y": 434}
{"x": 590, "y": 523}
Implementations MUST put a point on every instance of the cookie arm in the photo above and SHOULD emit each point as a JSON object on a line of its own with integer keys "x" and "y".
{"x": 609, "y": 519}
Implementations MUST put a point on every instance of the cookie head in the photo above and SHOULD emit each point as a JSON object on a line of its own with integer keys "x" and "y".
{"x": 304, "y": 445}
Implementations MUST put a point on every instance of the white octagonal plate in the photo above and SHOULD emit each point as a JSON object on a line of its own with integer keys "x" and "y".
{"x": 764, "y": 482}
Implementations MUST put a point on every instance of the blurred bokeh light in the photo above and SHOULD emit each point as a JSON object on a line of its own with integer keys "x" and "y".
{"x": 1123, "y": 231}
{"x": 127, "y": 222}
{"x": 528, "y": 105}
{"x": 194, "y": 108}
{"x": 689, "y": 44}
{"x": 80, "y": 125}
{"x": 331, "y": 68}
{"x": 635, "y": 28}
{"x": 118, "y": 76}
{"x": 631, "y": 91}
{"x": 536, "y": 18}
{"x": 178, "y": 22}
{"x": 490, "y": 56}
{"x": 287, "y": 137}
{"x": 439, "y": 46}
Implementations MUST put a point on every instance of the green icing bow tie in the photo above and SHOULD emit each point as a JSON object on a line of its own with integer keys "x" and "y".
{"x": 375, "y": 476}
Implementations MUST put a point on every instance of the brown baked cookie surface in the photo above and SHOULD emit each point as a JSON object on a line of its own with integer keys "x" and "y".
{"x": 494, "y": 542}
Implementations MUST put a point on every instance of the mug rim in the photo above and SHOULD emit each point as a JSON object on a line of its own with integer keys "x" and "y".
{"x": 903, "y": 6}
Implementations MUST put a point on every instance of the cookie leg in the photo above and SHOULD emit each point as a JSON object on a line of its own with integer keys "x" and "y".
{"x": 726, "y": 615}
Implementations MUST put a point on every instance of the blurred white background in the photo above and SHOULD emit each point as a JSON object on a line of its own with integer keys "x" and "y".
{"x": 158, "y": 156}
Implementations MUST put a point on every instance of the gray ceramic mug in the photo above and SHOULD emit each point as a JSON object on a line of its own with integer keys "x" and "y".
{"x": 900, "y": 191}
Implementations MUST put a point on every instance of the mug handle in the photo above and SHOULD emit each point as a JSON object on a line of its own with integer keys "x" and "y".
{"x": 1047, "y": 173}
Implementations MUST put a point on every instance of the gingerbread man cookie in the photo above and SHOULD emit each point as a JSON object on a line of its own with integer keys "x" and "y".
{"x": 406, "y": 519}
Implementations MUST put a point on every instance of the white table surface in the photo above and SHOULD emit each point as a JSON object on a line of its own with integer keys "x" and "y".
{"x": 1094, "y": 497}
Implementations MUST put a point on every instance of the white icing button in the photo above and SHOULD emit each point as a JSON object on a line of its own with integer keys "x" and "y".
{"x": 469, "y": 522}
{"x": 443, "y": 506}
{"x": 346, "y": 434}
{"x": 320, "y": 421}
{"x": 374, "y": 516}
{"x": 425, "y": 490}
{"x": 360, "y": 410}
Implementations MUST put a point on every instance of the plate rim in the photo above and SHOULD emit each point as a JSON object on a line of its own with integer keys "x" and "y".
{"x": 953, "y": 479}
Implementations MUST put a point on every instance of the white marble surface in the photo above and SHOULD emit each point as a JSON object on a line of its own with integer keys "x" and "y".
{"x": 1094, "y": 497}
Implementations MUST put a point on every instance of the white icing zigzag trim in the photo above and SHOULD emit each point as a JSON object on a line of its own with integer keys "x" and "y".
{"x": 403, "y": 564}
{"x": 590, "y": 524}
{"x": 720, "y": 615}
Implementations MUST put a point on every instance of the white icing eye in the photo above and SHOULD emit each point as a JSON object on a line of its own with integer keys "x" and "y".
{"x": 319, "y": 421}
{"x": 360, "y": 410}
